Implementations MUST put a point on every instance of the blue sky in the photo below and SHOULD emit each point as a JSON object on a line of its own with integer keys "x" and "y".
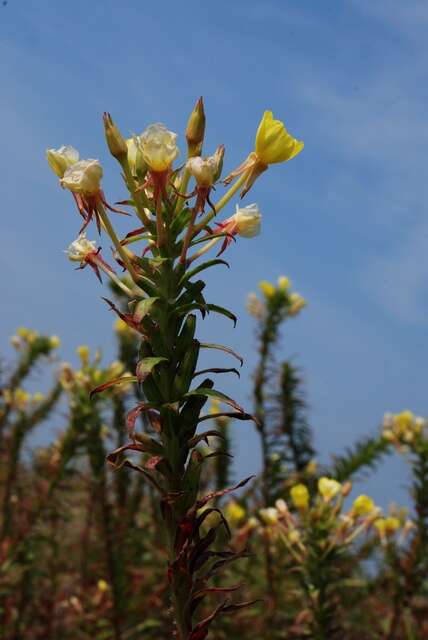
{"x": 346, "y": 220}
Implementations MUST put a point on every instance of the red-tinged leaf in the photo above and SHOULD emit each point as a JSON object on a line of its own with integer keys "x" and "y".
{"x": 126, "y": 317}
{"x": 221, "y": 347}
{"x": 136, "y": 467}
{"x": 217, "y": 370}
{"x": 230, "y": 608}
{"x": 147, "y": 446}
{"x": 112, "y": 383}
{"x": 153, "y": 462}
{"x": 146, "y": 365}
{"x": 200, "y": 632}
{"x": 218, "y": 494}
{"x": 132, "y": 416}
{"x": 202, "y": 592}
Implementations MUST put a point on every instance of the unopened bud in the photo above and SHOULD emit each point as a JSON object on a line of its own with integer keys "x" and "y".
{"x": 115, "y": 141}
{"x": 195, "y": 130}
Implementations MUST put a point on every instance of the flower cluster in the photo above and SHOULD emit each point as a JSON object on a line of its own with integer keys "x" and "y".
{"x": 274, "y": 297}
{"x": 25, "y": 337}
{"x": 403, "y": 429}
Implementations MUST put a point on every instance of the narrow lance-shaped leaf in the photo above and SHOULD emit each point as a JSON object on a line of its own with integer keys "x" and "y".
{"x": 146, "y": 366}
{"x": 221, "y": 347}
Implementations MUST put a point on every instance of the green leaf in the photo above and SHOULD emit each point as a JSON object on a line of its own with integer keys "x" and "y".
{"x": 146, "y": 365}
{"x": 180, "y": 221}
{"x": 221, "y": 347}
{"x": 224, "y": 312}
{"x": 202, "y": 267}
{"x": 213, "y": 393}
{"x": 142, "y": 308}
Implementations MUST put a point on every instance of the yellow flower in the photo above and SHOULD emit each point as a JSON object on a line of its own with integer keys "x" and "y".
{"x": 54, "y": 342}
{"x": 328, "y": 488}
{"x": 246, "y": 221}
{"x": 23, "y": 332}
{"x": 267, "y": 288}
{"x": 392, "y": 524}
{"x": 21, "y": 399}
{"x": 120, "y": 326}
{"x": 284, "y": 283}
{"x": 38, "y": 397}
{"x": 273, "y": 142}
{"x": 83, "y": 352}
{"x": 363, "y": 506}
{"x": 234, "y": 512}
{"x": 300, "y": 496}
{"x": 311, "y": 468}
{"x": 103, "y": 585}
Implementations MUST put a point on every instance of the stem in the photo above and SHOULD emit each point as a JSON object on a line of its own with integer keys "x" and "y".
{"x": 118, "y": 281}
{"x": 221, "y": 203}
{"x": 183, "y": 189}
{"x": 111, "y": 232}
{"x": 137, "y": 196}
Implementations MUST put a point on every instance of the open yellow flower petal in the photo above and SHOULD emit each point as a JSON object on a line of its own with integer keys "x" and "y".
{"x": 273, "y": 142}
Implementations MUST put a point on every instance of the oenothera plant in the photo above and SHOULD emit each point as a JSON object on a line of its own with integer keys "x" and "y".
{"x": 174, "y": 209}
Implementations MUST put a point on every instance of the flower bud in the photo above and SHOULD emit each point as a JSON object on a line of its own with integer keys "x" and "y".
{"x": 61, "y": 159}
{"x": 83, "y": 177}
{"x": 297, "y": 303}
{"x": 115, "y": 141}
{"x": 83, "y": 352}
{"x": 158, "y": 146}
{"x": 267, "y": 288}
{"x": 248, "y": 221}
{"x": 195, "y": 130}
{"x": 300, "y": 496}
{"x": 80, "y": 248}
{"x": 328, "y": 488}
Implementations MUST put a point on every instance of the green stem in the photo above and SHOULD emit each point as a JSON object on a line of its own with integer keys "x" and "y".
{"x": 138, "y": 197}
{"x": 111, "y": 232}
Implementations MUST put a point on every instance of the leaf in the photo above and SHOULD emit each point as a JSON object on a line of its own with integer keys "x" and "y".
{"x": 133, "y": 414}
{"x": 221, "y": 347}
{"x": 217, "y": 370}
{"x": 204, "y": 436}
{"x": 202, "y": 267}
{"x": 142, "y": 308}
{"x": 224, "y": 312}
{"x": 146, "y": 365}
{"x": 213, "y": 393}
{"x": 112, "y": 383}
{"x": 236, "y": 415}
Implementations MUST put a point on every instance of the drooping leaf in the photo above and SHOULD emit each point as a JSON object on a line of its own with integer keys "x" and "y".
{"x": 112, "y": 383}
{"x": 224, "y": 312}
{"x": 221, "y": 347}
{"x": 217, "y": 370}
{"x": 201, "y": 267}
{"x": 218, "y": 395}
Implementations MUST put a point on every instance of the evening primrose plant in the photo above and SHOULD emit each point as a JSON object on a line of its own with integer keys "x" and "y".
{"x": 174, "y": 223}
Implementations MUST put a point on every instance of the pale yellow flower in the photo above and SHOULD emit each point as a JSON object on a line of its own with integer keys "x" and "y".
{"x": 269, "y": 515}
{"x": 297, "y": 303}
{"x": 158, "y": 146}
{"x": 83, "y": 177}
{"x": 83, "y": 352}
{"x": 284, "y": 283}
{"x": 273, "y": 142}
{"x": 328, "y": 488}
{"x": 247, "y": 221}
{"x": 54, "y": 342}
{"x": 300, "y": 496}
{"x": 61, "y": 159}
{"x": 80, "y": 248}
{"x": 103, "y": 586}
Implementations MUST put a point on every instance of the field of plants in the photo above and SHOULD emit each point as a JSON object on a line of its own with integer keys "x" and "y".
{"x": 129, "y": 524}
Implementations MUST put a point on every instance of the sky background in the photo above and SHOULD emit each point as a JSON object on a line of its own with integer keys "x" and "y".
{"x": 346, "y": 220}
